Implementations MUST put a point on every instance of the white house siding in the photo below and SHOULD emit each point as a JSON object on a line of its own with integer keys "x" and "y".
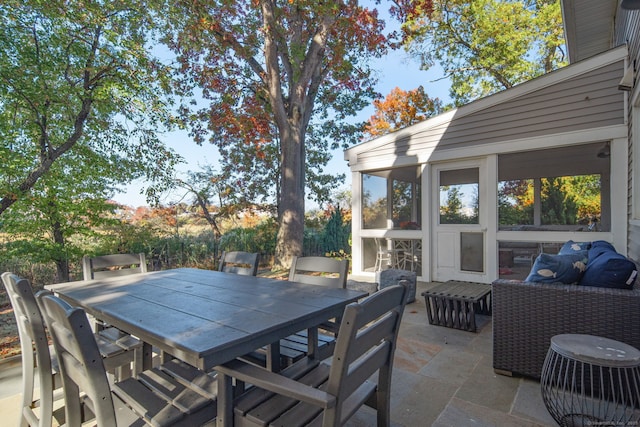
{"x": 587, "y": 101}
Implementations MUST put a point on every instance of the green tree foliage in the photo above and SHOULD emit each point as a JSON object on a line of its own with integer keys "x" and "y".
{"x": 58, "y": 214}
{"x": 76, "y": 79}
{"x": 402, "y": 203}
{"x": 586, "y": 191}
{"x": 515, "y": 202}
{"x": 81, "y": 105}
{"x": 335, "y": 236}
{"x": 565, "y": 200}
{"x": 261, "y": 238}
{"x": 485, "y": 46}
{"x": 452, "y": 211}
{"x": 279, "y": 78}
{"x": 559, "y": 206}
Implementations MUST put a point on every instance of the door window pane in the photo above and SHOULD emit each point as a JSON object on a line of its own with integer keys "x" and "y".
{"x": 459, "y": 202}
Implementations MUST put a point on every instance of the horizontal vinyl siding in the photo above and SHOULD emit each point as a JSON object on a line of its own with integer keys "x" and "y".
{"x": 589, "y": 101}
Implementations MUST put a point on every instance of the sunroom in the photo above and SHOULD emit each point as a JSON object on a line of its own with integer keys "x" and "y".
{"x": 478, "y": 192}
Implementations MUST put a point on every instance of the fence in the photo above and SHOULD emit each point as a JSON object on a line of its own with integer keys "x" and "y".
{"x": 198, "y": 252}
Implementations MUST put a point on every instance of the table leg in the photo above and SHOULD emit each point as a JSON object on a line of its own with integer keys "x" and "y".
{"x": 147, "y": 356}
{"x": 273, "y": 357}
{"x": 312, "y": 342}
{"x": 225, "y": 401}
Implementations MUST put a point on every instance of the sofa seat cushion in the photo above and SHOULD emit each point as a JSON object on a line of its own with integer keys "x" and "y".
{"x": 608, "y": 269}
{"x": 566, "y": 269}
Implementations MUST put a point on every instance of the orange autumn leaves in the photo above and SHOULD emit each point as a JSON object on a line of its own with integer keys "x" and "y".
{"x": 400, "y": 109}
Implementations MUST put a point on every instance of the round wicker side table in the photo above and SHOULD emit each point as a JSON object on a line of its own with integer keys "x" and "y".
{"x": 588, "y": 380}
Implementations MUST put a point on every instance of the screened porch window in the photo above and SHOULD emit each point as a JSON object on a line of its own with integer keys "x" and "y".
{"x": 562, "y": 189}
{"x": 391, "y": 199}
{"x": 374, "y": 201}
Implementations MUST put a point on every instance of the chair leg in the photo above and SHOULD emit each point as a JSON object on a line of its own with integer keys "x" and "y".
{"x": 27, "y": 386}
{"x": 138, "y": 361}
{"x": 122, "y": 373}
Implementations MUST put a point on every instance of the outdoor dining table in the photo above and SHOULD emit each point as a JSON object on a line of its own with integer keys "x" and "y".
{"x": 207, "y": 318}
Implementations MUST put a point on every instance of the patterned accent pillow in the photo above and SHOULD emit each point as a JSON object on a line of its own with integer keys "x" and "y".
{"x": 558, "y": 268}
{"x": 572, "y": 247}
{"x": 608, "y": 269}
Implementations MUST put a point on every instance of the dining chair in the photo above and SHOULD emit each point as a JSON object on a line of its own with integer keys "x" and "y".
{"x": 409, "y": 254}
{"x": 312, "y": 392}
{"x": 172, "y": 394}
{"x": 322, "y": 271}
{"x": 238, "y": 262}
{"x": 312, "y": 270}
{"x": 317, "y": 270}
{"x": 385, "y": 255}
{"x": 39, "y": 361}
{"x": 113, "y": 265}
{"x": 105, "y": 266}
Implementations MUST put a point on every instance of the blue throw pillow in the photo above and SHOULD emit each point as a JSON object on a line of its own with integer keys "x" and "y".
{"x": 600, "y": 246}
{"x": 558, "y": 268}
{"x": 608, "y": 269}
{"x": 572, "y": 247}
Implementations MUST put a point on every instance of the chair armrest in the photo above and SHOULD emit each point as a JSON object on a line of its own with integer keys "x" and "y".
{"x": 276, "y": 383}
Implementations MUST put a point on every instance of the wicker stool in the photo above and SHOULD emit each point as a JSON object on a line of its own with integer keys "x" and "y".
{"x": 588, "y": 380}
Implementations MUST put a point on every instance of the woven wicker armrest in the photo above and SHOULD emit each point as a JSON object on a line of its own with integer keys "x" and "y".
{"x": 526, "y": 315}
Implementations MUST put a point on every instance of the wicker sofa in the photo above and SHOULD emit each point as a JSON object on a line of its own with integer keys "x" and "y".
{"x": 526, "y": 315}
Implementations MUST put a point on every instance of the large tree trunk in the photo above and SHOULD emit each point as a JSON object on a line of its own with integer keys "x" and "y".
{"x": 292, "y": 112}
{"x": 291, "y": 204}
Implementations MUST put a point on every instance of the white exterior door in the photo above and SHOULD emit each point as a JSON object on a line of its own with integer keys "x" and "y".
{"x": 459, "y": 221}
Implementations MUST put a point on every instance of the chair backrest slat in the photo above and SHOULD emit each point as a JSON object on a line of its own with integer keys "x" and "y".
{"x": 239, "y": 262}
{"x": 316, "y": 270}
{"x": 113, "y": 265}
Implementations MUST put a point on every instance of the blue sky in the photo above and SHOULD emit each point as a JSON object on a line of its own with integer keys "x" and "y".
{"x": 396, "y": 69}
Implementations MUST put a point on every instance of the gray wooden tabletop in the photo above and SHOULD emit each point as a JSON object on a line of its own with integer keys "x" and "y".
{"x": 206, "y": 317}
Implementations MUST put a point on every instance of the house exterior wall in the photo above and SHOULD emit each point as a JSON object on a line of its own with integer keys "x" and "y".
{"x": 588, "y": 101}
{"x": 628, "y": 31}
{"x": 577, "y": 105}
